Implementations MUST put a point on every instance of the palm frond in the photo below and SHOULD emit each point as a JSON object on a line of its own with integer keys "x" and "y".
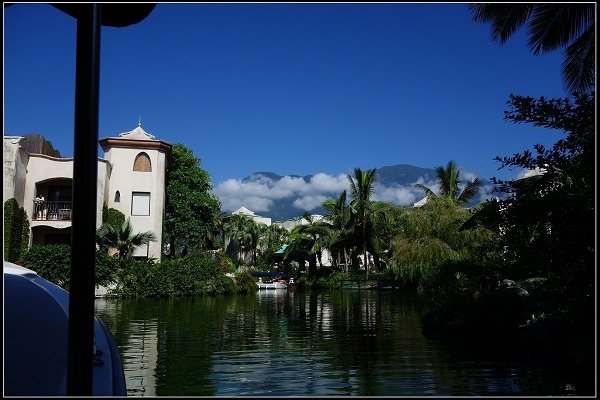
{"x": 469, "y": 191}
{"x": 579, "y": 65}
{"x": 505, "y": 19}
{"x": 428, "y": 192}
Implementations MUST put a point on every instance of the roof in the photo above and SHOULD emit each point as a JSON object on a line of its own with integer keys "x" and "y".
{"x": 244, "y": 210}
{"x": 137, "y": 134}
{"x": 282, "y": 249}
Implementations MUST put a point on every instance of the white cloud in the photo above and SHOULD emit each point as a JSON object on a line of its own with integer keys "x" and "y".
{"x": 399, "y": 195}
{"x": 309, "y": 203}
{"x": 329, "y": 184}
{"x": 530, "y": 172}
{"x": 261, "y": 193}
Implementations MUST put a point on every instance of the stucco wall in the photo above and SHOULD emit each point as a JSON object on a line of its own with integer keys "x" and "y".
{"x": 15, "y": 168}
{"x": 125, "y": 180}
{"x": 43, "y": 168}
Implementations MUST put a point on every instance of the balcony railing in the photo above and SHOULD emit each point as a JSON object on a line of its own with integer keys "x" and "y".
{"x": 52, "y": 211}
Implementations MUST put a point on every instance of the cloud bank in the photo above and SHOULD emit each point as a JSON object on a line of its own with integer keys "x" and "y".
{"x": 260, "y": 193}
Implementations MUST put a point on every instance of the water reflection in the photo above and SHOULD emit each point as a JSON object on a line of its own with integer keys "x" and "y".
{"x": 280, "y": 343}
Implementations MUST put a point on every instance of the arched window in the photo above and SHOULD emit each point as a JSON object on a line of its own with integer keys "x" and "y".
{"x": 142, "y": 163}
{"x": 117, "y": 197}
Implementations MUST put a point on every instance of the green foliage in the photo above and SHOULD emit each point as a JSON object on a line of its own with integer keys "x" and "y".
{"x": 246, "y": 283}
{"x": 450, "y": 185}
{"x": 183, "y": 276}
{"x": 106, "y": 268}
{"x": 112, "y": 217}
{"x": 548, "y": 221}
{"x": 225, "y": 262}
{"x": 122, "y": 238}
{"x": 191, "y": 211}
{"x": 51, "y": 262}
{"x": 16, "y": 231}
{"x": 431, "y": 240}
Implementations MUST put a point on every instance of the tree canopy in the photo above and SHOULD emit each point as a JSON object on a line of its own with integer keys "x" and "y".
{"x": 550, "y": 26}
{"x": 191, "y": 211}
{"x": 450, "y": 185}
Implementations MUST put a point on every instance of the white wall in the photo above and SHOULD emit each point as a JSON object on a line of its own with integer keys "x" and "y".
{"x": 124, "y": 179}
{"x": 15, "y": 167}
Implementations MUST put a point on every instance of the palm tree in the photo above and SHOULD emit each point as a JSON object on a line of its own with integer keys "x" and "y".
{"x": 255, "y": 231}
{"x": 309, "y": 238}
{"x": 550, "y": 26}
{"x": 362, "y": 187}
{"x": 236, "y": 230}
{"x": 449, "y": 185}
{"x": 122, "y": 238}
{"x": 338, "y": 216}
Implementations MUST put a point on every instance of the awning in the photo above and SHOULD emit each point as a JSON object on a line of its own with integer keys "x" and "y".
{"x": 282, "y": 249}
{"x": 270, "y": 275}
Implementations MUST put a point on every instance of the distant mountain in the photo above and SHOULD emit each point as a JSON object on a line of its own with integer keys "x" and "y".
{"x": 390, "y": 176}
{"x": 403, "y": 174}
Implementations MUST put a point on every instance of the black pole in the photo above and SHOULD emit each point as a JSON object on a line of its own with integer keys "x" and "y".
{"x": 85, "y": 175}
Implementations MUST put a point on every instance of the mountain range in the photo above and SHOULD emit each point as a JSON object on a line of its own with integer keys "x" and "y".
{"x": 285, "y": 208}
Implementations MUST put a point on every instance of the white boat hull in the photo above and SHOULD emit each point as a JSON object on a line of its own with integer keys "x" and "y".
{"x": 274, "y": 285}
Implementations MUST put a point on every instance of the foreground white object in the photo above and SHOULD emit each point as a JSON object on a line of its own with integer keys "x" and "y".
{"x": 36, "y": 314}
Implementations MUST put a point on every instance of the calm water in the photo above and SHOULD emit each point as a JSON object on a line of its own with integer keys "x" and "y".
{"x": 280, "y": 343}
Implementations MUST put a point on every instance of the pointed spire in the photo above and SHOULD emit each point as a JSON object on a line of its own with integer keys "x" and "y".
{"x": 140, "y": 121}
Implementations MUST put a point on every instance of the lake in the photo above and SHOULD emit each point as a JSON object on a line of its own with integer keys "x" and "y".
{"x": 293, "y": 343}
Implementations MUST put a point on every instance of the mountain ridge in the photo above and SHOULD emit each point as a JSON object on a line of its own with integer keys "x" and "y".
{"x": 388, "y": 176}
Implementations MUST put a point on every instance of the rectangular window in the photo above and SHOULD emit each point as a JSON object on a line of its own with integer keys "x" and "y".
{"x": 140, "y": 203}
{"x": 140, "y": 251}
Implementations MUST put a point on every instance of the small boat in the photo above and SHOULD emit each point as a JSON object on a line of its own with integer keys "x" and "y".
{"x": 36, "y": 319}
{"x": 276, "y": 284}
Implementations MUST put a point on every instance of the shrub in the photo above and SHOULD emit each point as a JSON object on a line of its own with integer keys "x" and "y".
{"x": 51, "y": 262}
{"x": 112, "y": 216}
{"x": 16, "y": 231}
{"x": 245, "y": 283}
{"x": 185, "y": 276}
{"x": 106, "y": 268}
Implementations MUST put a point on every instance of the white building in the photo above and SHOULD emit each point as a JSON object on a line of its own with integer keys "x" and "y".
{"x": 252, "y": 215}
{"x": 131, "y": 179}
{"x": 289, "y": 225}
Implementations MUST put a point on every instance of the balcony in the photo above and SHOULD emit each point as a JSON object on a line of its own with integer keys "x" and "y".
{"x": 51, "y": 211}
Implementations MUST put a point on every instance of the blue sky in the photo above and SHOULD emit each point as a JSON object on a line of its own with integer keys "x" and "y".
{"x": 304, "y": 89}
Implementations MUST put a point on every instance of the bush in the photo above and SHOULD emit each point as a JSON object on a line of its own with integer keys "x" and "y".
{"x": 246, "y": 283}
{"x": 185, "y": 276}
{"x": 112, "y": 217}
{"x": 16, "y": 231}
{"x": 51, "y": 262}
{"x": 106, "y": 268}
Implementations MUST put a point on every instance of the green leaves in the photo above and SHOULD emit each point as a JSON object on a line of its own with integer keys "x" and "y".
{"x": 449, "y": 185}
{"x": 122, "y": 238}
{"x": 191, "y": 212}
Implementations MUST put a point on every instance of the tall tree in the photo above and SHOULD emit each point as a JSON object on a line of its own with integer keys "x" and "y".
{"x": 191, "y": 211}
{"x": 548, "y": 219}
{"x": 550, "y": 26}
{"x": 362, "y": 187}
{"x": 237, "y": 232}
{"x": 449, "y": 185}
{"x": 255, "y": 232}
{"x": 338, "y": 216}
{"x": 309, "y": 238}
